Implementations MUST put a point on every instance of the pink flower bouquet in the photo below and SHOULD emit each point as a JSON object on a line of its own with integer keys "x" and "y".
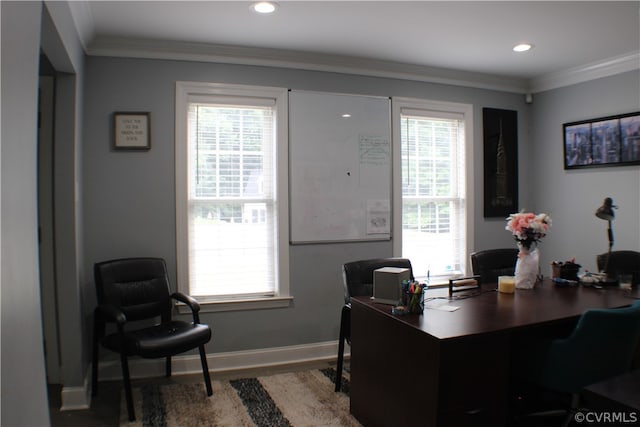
{"x": 528, "y": 228}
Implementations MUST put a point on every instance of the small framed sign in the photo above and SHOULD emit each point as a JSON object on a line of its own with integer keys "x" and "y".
{"x": 131, "y": 131}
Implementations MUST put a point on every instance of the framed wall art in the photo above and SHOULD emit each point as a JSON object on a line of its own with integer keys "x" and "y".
{"x": 131, "y": 131}
{"x": 500, "y": 130}
{"x": 605, "y": 141}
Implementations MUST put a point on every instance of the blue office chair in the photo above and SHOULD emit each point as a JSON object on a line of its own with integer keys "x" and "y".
{"x": 358, "y": 281}
{"x": 601, "y": 346}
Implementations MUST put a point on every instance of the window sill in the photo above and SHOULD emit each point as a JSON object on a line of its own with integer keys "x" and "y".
{"x": 239, "y": 305}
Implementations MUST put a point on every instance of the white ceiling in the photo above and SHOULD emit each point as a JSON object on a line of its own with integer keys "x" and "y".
{"x": 451, "y": 41}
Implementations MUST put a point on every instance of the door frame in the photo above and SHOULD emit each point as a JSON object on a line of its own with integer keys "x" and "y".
{"x": 46, "y": 228}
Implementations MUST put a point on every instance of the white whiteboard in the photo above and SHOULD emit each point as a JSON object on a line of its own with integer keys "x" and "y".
{"x": 340, "y": 167}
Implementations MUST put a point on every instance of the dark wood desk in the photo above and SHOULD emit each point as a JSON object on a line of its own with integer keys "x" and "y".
{"x": 452, "y": 368}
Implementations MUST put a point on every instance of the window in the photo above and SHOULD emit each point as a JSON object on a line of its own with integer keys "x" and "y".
{"x": 231, "y": 187}
{"x": 433, "y": 186}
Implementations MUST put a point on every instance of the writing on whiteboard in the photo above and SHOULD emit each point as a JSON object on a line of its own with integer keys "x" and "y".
{"x": 378, "y": 217}
{"x": 374, "y": 150}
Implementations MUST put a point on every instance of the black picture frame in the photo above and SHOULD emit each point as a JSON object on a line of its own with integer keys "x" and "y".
{"x": 602, "y": 142}
{"x": 500, "y": 131}
{"x": 131, "y": 131}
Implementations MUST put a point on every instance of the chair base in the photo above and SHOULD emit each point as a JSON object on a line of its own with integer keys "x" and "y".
{"x": 126, "y": 379}
{"x": 345, "y": 329}
{"x": 533, "y": 412}
{"x": 548, "y": 419}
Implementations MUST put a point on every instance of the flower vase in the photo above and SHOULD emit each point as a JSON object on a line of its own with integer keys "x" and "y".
{"x": 527, "y": 267}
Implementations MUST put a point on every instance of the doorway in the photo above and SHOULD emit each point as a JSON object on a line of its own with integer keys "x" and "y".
{"x": 46, "y": 234}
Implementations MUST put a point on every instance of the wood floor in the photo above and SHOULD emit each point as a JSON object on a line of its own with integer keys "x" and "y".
{"x": 104, "y": 411}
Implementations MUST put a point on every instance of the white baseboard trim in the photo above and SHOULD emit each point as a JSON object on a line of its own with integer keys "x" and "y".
{"x": 75, "y": 398}
{"x": 222, "y": 362}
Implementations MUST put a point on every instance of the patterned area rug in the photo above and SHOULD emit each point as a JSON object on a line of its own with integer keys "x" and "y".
{"x": 304, "y": 398}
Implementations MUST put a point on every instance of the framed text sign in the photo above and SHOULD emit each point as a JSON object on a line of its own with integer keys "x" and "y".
{"x": 131, "y": 131}
{"x": 605, "y": 141}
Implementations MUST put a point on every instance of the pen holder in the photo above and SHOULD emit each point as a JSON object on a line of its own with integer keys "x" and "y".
{"x": 569, "y": 271}
{"x": 414, "y": 302}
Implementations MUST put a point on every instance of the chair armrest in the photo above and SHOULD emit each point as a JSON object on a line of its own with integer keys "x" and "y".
{"x": 112, "y": 313}
{"x": 191, "y": 302}
{"x": 188, "y": 300}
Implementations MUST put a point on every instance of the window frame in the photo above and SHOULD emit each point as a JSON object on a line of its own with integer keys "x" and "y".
{"x": 184, "y": 92}
{"x": 443, "y": 109}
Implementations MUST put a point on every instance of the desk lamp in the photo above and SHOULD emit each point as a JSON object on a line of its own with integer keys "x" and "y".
{"x": 606, "y": 212}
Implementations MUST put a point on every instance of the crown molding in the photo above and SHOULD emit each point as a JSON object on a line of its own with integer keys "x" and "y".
{"x": 83, "y": 20}
{"x": 242, "y": 55}
{"x": 608, "y": 67}
{"x": 205, "y": 52}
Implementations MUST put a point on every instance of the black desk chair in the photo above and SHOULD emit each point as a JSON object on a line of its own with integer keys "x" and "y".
{"x": 491, "y": 263}
{"x": 601, "y": 346}
{"x": 620, "y": 262}
{"x": 358, "y": 281}
{"x": 135, "y": 289}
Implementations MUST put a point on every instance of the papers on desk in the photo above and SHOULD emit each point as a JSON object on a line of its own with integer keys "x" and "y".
{"x": 440, "y": 304}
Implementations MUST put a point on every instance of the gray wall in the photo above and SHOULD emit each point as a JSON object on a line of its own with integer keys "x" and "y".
{"x": 24, "y": 398}
{"x": 28, "y": 28}
{"x": 571, "y": 197}
{"x": 129, "y": 201}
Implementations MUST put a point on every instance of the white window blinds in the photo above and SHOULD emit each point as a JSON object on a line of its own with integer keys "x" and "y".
{"x": 231, "y": 199}
{"x": 231, "y": 164}
{"x": 433, "y": 191}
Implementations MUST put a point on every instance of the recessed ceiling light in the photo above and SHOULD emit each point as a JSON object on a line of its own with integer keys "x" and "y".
{"x": 522, "y": 47}
{"x": 264, "y": 7}
{"x": 346, "y": 115}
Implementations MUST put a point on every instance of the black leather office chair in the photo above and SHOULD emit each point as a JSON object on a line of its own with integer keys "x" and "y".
{"x": 135, "y": 289}
{"x": 620, "y": 262}
{"x": 491, "y": 263}
{"x": 358, "y": 281}
{"x": 601, "y": 346}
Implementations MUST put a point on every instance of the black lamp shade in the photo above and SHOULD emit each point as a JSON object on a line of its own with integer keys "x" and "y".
{"x": 606, "y": 210}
